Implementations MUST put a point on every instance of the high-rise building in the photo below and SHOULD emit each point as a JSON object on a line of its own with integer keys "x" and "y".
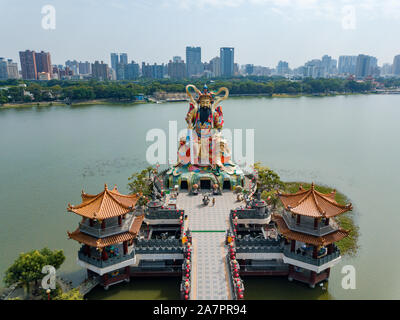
{"x": 177, "y": 69}
{"x": 314, "y": 69}
{"x": 347, "y": 64}
{"x": 366, "y": 66}
{"x": 227, "y": 62}
{"x": 386, "y": 69}
{"x": 249, "y": 69}
{"x": 154, "y": 71}
{"x": 114, "y": 60}
{"x": 73, "y": 65}
{"x": 193, "y": 61}
{"x": 216, "y": 66}
{"x": 28, "y": 65}
{"x": 84, "y": 67}
{"x": 12, "y": 69}
{"x": 43, "y": 62}
{"x": 8, "y": 69}
{"x": 131, "y": 71}
{"x": 123, "y": 58}
{"x": 282, "y": 68}
{"x": 329, "y": 66}
{"x": 396, "y": 65}
{"x": 3, "y": 69}
{"x": 100, "y": 70}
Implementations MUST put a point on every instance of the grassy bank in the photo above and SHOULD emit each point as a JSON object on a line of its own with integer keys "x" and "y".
{"x": 346, "y": 220}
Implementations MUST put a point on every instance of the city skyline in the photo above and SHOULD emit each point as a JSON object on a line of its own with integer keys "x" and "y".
{"x": 263, "y": 32}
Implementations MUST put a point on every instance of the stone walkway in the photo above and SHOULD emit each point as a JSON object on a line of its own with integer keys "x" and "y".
{"x": 208, "y": 225}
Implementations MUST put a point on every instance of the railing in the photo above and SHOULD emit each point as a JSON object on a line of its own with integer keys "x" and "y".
{"x": 249, "y": 214}
{"x": 308, "y": 226}
{"x": 311, "y": 260}
{"x": 105, "y": 263}
{"x": 159, "y": 246}
{"x": 108, "y": 231}
{"x": 259, "y": 249}
{"x": 164, "y": 214}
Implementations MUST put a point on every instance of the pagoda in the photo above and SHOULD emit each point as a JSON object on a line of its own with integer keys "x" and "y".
{"x": 307, "y": 224}
{"x": 106, "y": 232}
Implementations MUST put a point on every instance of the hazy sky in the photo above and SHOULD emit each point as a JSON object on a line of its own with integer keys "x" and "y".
{"x": 261, "y": 31}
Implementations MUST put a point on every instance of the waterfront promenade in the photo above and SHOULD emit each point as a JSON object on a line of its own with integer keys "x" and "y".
{"x": 208, "y": 224}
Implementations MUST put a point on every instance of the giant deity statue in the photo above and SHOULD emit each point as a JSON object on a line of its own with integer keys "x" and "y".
{"x": 203, "y": 155}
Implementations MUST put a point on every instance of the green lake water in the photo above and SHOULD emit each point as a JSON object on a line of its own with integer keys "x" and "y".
{"x": 48, "y": 155}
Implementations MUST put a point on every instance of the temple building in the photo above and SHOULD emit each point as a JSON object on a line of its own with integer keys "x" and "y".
{"x": 120, "y": 239}
{"x": 106, "y": 232}
{"x": 298, "y": 243}
{"x": 308, "y": 224}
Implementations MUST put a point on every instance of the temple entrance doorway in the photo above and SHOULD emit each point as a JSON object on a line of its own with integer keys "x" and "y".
{"x": 184, "y": 185}
{"x": 227, "y": 185}
{"x": 205, "y": 184}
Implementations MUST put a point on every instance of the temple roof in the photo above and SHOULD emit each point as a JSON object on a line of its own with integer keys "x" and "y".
{"x": 298, "y": 236}
{"x": 312, "y": 203}
{"x": 106, "y": 204}
{"x": 107, "y": 241}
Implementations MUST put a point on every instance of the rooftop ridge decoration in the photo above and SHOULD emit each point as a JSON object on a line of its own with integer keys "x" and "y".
{"x": 106, "y": 204}
{"x": 313, "y": 203}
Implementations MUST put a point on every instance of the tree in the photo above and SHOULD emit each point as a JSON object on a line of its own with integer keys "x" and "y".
{"x": 142, "y": 184}
{"x": 27, "y": 268}
{"x": 268, "y": 180}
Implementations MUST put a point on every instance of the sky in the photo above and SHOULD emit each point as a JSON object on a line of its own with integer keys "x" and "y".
{"x": 261, "y": 31}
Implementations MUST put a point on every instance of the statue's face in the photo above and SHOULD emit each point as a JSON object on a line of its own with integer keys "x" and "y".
{"x": 205, "y": 103}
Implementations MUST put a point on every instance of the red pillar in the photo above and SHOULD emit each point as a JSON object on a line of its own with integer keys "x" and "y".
{"x": 103, "y": 224}
{"x": 125, "y": 245}
{"x": 91, "y": 222}
{"x": 327, "y": 221}
{"x": 104, "y": 255}
{"x": 105, "y": 278}
{"x": 291, "y": 268}
{"x": 119, "y": 220}
{"x": 313, "y": 277}
{"x": 298, "y": 219}
{"x": 315, "y": 223}
{"x": 128, "y": 271}
{"x": 292, "y": 245}
{"x": 328, "y": 272}
{"x": 330, "y": 248}
{"x": 315, "y": 252}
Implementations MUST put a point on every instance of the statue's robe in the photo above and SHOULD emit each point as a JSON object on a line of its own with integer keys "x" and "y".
{"x": 207, "y": 144}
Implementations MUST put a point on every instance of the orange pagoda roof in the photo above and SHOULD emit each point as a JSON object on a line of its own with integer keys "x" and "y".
{"x": 107, "y": 241}
{"x": 312, "y": 203}
{"x": 106, "y": 204}
{"x": 298, "y": 236}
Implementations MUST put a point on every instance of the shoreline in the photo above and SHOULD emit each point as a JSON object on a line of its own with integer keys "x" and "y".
{"x": 44, "y": 104}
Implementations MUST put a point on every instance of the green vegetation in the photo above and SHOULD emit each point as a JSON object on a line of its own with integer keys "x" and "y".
{"x": 13, "y": 91}
{"x": 140, "y": 183}
{"x": 73, "y": 294}
{"x": 27, "y": 268}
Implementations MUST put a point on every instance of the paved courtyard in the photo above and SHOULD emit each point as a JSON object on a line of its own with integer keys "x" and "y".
{"x": 208, "y": 223}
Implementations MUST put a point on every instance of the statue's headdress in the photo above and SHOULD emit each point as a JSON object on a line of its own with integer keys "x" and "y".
{"x": 207, "y": 95}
